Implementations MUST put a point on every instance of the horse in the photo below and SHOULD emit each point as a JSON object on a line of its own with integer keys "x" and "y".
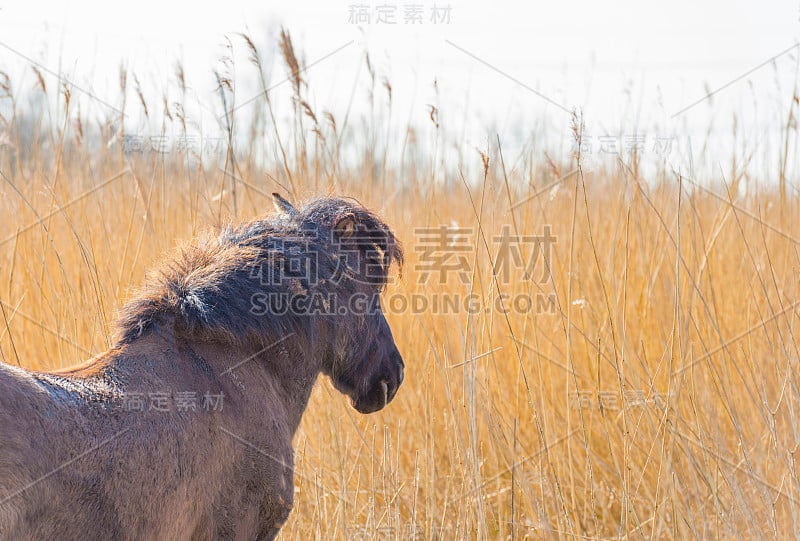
{"x": 184, "y": 428}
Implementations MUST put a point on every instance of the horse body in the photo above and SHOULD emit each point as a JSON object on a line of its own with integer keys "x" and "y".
{"x": 79, "y": 464}
{"x": 80, "y": 458}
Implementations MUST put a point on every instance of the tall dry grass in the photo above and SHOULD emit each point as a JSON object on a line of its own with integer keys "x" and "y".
{"x": 658, "y": 398}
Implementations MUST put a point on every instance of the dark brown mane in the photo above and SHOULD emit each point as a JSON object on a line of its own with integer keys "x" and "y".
{"x": 205, "y": 289}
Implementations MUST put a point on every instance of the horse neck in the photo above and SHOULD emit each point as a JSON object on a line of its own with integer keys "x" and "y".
{"x": 262, "y": 375}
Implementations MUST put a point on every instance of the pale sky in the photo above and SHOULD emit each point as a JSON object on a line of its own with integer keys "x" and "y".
{"x": 629, "y": 65}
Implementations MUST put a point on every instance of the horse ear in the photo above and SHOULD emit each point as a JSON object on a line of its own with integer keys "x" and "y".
{"x": 345, "y": 227}
{"x": 282, "y": 205}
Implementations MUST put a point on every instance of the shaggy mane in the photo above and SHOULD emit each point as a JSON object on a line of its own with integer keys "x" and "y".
{"x": 205, "y": 289}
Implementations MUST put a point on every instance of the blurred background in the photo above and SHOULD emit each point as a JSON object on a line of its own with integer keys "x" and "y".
{"x": 638, "y": 72}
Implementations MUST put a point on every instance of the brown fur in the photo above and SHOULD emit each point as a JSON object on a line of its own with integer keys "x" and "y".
{"x": 77, "y": 463}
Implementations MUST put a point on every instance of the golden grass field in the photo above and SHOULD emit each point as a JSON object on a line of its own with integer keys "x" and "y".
{"x": 658, "y": 398}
